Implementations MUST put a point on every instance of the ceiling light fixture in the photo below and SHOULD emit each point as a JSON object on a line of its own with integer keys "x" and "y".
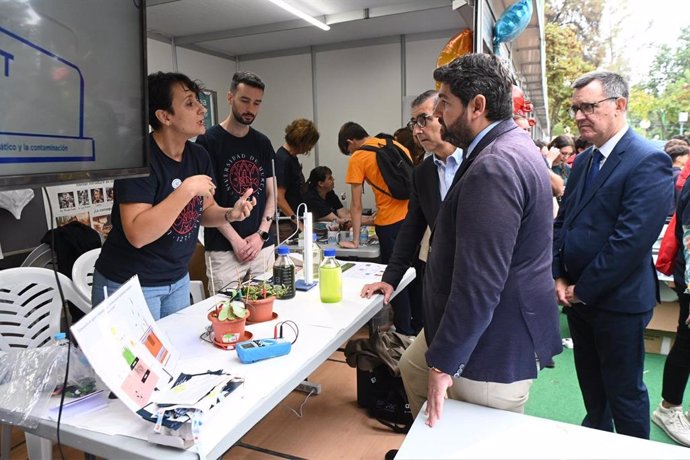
{"x": 300, "y": 14}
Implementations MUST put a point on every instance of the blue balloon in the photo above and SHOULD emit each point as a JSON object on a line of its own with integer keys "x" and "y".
{"x": 512, "y": 22}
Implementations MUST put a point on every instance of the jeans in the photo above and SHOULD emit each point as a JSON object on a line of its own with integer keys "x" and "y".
{"x": 161, "y": 300}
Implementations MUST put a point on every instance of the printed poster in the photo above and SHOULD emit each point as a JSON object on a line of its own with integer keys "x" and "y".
{"x": 90, "y": 203}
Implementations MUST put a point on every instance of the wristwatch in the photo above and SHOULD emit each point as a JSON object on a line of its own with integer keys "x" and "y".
{"x": 264, "y": 235}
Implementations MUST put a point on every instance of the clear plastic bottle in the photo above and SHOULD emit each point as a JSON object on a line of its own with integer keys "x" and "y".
{"x": 363, "y": 235}
{"x": 330, "y": 278}
{"x": 316, "y": 257}
{"x": 284, "y": 272}
{"x": 60, "y": 338}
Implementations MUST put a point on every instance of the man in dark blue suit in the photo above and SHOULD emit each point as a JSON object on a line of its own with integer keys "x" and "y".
{"x": 490, "y": 314}
{"x": 612, "y": 212}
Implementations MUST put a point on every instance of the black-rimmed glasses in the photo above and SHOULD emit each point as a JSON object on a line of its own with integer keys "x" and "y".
{"x": 419, "y": 120}
{"x": 587, "y": 108}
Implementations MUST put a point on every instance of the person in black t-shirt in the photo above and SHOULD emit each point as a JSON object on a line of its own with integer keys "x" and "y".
{"x": 322, "y": 201}
{"x": 242, "y": 158}
{"x": 156, "y": 218}
{"x": 300, "y": 137}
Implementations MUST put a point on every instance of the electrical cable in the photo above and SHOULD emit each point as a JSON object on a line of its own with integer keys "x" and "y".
{"x": 68, "y": 334}
{"x": 305, "y": 210}
{"x": 278, "y": 330}
{"x": 301, "y": 406}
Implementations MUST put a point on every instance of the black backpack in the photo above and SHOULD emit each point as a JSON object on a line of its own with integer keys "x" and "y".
{"x": 396, "y": 169}
{"x": 379, "y": 387}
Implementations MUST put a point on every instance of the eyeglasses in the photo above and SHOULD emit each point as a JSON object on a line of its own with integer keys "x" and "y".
{"x": 587, "y": 108}
{"x": 420, "y": 121}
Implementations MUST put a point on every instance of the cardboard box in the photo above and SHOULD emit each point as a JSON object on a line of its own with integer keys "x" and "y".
{"x": 665, "y": 318}
{"x": 661, "y": 330}
{"x": 658, "y": 342}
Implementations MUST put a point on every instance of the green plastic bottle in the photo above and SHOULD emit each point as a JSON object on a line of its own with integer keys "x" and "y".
{"x": 330, "y": 278}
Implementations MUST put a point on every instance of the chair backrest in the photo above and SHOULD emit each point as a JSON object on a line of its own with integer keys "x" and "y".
{"x": 82, "y": 273}
{"x": 196, "y": 291}
{"x": 41, "y": 257}
{"x": 30, "y": 306}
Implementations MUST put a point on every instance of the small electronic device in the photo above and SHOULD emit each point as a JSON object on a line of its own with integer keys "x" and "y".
{"x": 252, "y": 351}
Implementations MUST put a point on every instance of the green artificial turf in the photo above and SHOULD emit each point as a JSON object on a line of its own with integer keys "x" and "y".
{"x": 556, "y": 395}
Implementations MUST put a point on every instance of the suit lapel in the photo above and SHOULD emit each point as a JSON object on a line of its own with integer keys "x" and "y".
{"x": 429, "y": 172}
{"x": 498, "y": 130}
{"x": 433, "y": 176}
{"x": 580, "y": 187}
{"x": 611, "y": 163}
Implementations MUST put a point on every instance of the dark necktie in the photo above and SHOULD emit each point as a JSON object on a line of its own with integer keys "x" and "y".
{"x": 593, "y": 168}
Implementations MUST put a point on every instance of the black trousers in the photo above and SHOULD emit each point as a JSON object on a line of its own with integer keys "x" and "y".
{"x": 402, "y": 310}
{"x": 677, "y": 366}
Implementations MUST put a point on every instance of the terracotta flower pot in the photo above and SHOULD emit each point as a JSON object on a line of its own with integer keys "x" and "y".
{"x": 227, "y": 331}
{"x": 261, "y": 309}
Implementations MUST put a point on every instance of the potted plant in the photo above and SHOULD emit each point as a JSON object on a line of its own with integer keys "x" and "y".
{"x": 228, "y": 318}
{"x": 259, "y": 299}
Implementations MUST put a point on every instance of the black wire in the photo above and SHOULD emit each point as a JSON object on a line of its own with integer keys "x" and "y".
{"x": 53, "y": 256}
{"x": 292, "y": 325}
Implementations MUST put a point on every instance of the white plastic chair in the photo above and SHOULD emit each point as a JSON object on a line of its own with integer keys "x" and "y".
{"x": 196, "y": 291}
{"x": 41, "y": 257}
{"x": 82, "y": 273}
{"x": 30, "y": 309}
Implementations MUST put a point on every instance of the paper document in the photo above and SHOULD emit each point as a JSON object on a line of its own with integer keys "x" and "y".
{"x": 363, "y": 271}
{"x": 137, "y": 361}
{"x": 82, "y": 405}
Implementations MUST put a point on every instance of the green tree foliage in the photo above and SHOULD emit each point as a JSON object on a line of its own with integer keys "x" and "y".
{"x": 583, "y": 17}
{"x": 564, "y": 63}
{"x": 666, "y": 92}
{"x": 670, "y": 64}
{"x": 573, "y": 47}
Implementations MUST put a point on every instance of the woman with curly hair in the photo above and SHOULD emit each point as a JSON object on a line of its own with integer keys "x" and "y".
{"x": 300, "y": 137}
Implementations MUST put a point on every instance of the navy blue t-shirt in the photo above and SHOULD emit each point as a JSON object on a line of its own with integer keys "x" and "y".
{"x": 289, "y": 175}
{"x": 320, "y": 207}
{"x": 165, "y": 260}
{"x": 238, "y": 163}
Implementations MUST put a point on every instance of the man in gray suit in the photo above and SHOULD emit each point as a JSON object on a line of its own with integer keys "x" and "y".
{"x": 490, "y": 312}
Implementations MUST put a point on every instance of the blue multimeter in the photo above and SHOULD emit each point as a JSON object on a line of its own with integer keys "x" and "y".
{"x": 252, "y": 351}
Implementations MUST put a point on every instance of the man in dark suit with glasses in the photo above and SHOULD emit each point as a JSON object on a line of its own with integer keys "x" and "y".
{"x": 430, "y": 183}
{"x": 613, "y": 209}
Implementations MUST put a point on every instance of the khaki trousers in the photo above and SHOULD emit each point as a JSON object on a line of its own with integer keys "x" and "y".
{"x": 223, "y": 269}
{"x": 415, "y": 374}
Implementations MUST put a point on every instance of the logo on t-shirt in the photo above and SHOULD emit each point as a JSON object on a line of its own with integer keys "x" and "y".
{"x": 241, "y": 172}
{"x": 188, "y": 220}
{"x": 176, "y": 183}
